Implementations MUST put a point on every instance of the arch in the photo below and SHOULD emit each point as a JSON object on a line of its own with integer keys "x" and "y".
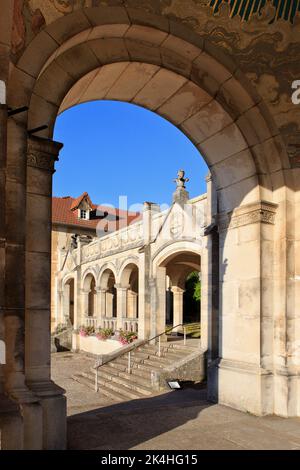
{"x": 68, "y": 288}
{"x": 239, "y": 141}
{"x": 213, "y": 89}
{"x": 106, "y": 272}
{"x": 86, "y": 278}
{"x": 126, "y": 270}
{"x": 129, "y": 282}
{"x": 68, "y": 278}
{"x": 107, "y": 282}
{"x": 164, "y": 253}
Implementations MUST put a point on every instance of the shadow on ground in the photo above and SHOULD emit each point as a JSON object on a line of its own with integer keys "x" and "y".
{"x": 125, "y": 425}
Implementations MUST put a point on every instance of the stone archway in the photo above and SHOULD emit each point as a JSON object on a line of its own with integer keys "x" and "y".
{"x": 129, "y": 292}
{"x": 108, "y": 301}
{"x": 68, "y": 303}
{"x": 171, "y": 265}
{"x": 205, "y": 94}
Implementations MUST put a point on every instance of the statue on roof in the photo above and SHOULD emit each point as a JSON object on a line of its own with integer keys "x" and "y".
{"x": 181, "y": 180}
{"x": 180, "y": 196}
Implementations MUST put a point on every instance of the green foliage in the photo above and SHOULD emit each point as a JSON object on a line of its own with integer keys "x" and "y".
{"x": 105, "y": 333}
{"x": 86, "y": 330}
{"x": 193, "y": 285}
{"x": 126, "y": 337}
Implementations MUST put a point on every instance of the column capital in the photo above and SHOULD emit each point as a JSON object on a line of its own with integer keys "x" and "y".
{"x": 257, "y": 212}
{"x": 42, "y": 153}
{"x": 101, "y": 290}
{"x": 122, "y": 288}
{"x": 177, "y": 290}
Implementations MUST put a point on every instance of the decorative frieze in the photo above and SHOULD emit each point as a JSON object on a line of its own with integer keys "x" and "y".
{"x": 259, "y": 212}
{"x": 43, "y": 153}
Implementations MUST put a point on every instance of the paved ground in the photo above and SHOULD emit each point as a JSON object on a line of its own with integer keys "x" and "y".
{"x": 176, "y": 420}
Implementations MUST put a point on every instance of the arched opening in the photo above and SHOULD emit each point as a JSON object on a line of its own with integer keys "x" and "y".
{"x": 92, "y": 298}
{"x": 130, "y": 284}
{"x": 68, "y": 304}
{"x": 206, "y": 95}
{"x": 182, "y": 288}
{"x": 109, "y": 299}
{"x": 89, "y": 300}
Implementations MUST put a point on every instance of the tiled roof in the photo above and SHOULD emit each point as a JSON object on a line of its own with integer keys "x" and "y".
{"x": 64, "y": 213}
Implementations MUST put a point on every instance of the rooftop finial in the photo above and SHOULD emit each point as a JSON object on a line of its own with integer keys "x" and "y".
{"x": 181, "y": 180}
{"x": 180, "y": 196}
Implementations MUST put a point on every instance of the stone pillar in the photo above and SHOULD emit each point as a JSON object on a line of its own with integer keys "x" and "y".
{"x": 3, "y": 137}
{"x": 132, "y": 306}
{"x": 158, "y": 302}
{"x": 11, "y": 421}
{"x": 144, "y": 293}
{"x": 100, "y": 305}
{"x": 121, "y": 304}
{"x": 60, "y": 306}
{"x": 14, "y": 292}
{"x": 245, "y": 330}
{"x": 177, "y": 306}
{"x": 84, "y": 306}
{"x": 66, "y": 304}
{"x": 41, "y": 156}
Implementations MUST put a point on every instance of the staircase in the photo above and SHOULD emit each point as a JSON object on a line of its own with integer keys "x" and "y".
{"x": 115, "y": 382}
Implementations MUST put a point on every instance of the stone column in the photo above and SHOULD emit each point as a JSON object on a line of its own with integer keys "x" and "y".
{"x": 41, "y": 156}
{"x": 3, "y": 137}
{"x": 84, "y": 306}
{"x": 144, "y": 294}
{"x": 158, "y": 302}
{"x": 14, "y": 308}
{"x": 66, "y": 303}
{"x": 177, "y": 306}
{"x": 121, "y": 304}
{"x": 11, "y": 421}
{"x": 59, "y": 306}
{"x": 100, "y": 303}
{"x": 245, "y": 331}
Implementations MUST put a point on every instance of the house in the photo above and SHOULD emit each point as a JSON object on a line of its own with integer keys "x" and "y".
{"x": 80, "y": 216}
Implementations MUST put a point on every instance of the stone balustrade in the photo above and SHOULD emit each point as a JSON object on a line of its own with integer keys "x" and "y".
{"x": 131, "y": 324}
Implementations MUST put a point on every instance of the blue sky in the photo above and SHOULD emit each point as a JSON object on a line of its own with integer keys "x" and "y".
{"x": 113, "y": 148}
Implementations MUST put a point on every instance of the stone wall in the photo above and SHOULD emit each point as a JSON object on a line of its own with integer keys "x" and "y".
{"x": 191, "y": 368}
{"x": 267, "y": 52}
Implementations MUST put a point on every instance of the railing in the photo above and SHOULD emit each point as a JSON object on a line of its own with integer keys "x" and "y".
{"x": 131, "y": 324}
{"x": 135, "y": 347}
{"x": 109, "y": 322}
{"x": 91, "y": 321}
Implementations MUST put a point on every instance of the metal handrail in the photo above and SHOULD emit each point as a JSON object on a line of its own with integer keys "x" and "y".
{"x": 135, "y": 347}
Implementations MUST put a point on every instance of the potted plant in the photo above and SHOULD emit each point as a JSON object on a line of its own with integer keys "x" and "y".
{"x": 86, "y": 330}
{"x": 104, "y": 333}
{"x": 127, "y": 337}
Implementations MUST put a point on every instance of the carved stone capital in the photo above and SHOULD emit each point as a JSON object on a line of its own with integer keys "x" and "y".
{"x": 258, "y": 212}
{"x": 43, "y": 153}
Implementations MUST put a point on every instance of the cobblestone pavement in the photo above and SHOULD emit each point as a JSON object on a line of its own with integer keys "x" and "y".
{"x": 176, "y": 420}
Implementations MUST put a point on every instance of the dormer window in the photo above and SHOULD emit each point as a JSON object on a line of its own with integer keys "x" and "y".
{"x": 83, "y": 214}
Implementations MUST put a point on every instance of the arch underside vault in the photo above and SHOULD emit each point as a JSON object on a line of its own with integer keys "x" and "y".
{"x": 251, "y": 331}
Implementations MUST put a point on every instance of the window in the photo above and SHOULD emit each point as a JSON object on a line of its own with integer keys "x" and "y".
{"x": 83, "y": 214}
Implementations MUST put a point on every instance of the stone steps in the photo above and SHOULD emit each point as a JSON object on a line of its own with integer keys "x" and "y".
{"x": 126, "y": 380}
{"x": 117, "y": 396}
{"x": 115, "y": 382}
{"x": 118, "y": 387}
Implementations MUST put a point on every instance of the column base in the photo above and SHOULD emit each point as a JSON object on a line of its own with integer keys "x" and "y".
{"x": 54, "y": 413}
{"x": 252, "y": 389}
{"x": 11, "y": 425}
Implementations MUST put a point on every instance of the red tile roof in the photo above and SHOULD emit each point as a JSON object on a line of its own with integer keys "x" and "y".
{"x": 64, "y": 213}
